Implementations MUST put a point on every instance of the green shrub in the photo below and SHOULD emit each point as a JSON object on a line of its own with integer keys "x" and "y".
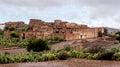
{"x": 117, "y": 35}
{"x": 63, "y": 55}
{"x": 48, "y": 56}
{"x": 55, "y": 39}
{"x": 22, "y": 43}
{"x": 11, "y": 28}
{"x": 106, "y": 55}
{"x": 92, "y": 56}
{"x": 14, "y": 35}
{"x": 118, "y": 38}
{"x": 94, "y": 49}
{"x": 116, "y": 42}
{"x": 76, "y": 54}
{"x": 67, "y": 48}
{"x": 18, "y": 58}
{"x": 37, "y": 45}
{"x": 116, "y": 56}
{"x": 13, "y": 42}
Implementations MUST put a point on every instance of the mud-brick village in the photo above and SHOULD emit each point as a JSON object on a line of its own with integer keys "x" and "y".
{"x": 41, "y": 29}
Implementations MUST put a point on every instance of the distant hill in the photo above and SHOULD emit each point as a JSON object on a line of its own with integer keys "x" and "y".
{"x": 112, "y": 30}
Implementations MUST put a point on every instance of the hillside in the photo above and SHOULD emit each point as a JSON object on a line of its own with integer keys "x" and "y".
{"x": 112, "y": 30}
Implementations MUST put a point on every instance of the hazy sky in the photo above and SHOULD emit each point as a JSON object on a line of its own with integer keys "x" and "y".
{"x": 91, "y": 12}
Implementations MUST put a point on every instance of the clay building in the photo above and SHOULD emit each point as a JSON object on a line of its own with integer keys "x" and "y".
{"x": 14, "y": 24}
{"x": 65, "y": 30}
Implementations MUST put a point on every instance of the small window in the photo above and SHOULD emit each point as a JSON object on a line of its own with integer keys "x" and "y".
{"x": 23, "y": 34}
{"x": 57, "y": 31}
{"x": 23, "y": 37}
{"x": 81, "y": 36}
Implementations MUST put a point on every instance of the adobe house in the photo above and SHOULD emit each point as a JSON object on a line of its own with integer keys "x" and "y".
{"x": 65, "y": 30}
{"x": 14, "y": 24}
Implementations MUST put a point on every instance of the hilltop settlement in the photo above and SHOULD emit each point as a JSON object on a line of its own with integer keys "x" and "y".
{"x": 41, "y": 29}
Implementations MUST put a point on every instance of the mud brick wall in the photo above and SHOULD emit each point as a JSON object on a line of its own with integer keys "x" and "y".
{"x": 14, "y": 24}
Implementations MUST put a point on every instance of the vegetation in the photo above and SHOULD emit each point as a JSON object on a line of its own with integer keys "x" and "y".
{"x": 55, "y": 39}
{"x": 11, "y": 29}
{"x": 6, "y": 28}
{"x": 14, "y": 35}
{"x": 63, "y": 55}
{"x": 13, "y": 42}
{"x": 105, "y": 32}
{"x": 116, "y": 42}
{"x": 26, "y": 57}
{"x": 107, "y": 54}
{"x": 117, "y": 36}
{"x": 77, "y": 54}
{"x": 37, "y": 45}
{"x": 1, "y": 32}
{"x": 67, "y": 48}
{"x": 94, "y": 49}
{"x": 100, "y": 34}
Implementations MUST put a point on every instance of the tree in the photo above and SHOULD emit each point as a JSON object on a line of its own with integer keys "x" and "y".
{"x": 100, "y": 34}
{"x": 117, "y": 34}
{"x": 105, "y": 31}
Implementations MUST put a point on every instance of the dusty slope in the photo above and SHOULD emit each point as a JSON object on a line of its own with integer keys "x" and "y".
{"x": 67, "y": 63}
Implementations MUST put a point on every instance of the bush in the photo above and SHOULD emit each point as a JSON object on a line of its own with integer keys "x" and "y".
{"x": 67, "y": 48}
{"x": 106, "y": 55}
{"x": 115, "y": 50}
{"x": 118, "y": 38}
{"x": 22, "y": 43}
{"x": 22, "y": 57}
{"x": 92, "y": 56}
{"x": 14, "y": 35}
{"x": 116, "y": 56}
{"x": 11, "y": 28}
{"x": 37, "y": 45}
{"x": 55, "y": 39}
{"x": 63, "y": 55}
{"x": 13, "y": 42}
{"x": 94, "y": 49}
{"x": 77, "y": 54}
{"x": 49, "y": 56}
{"x": 116, "y": 42}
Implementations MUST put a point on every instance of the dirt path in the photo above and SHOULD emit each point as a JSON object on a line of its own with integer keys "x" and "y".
{"x": 67, "y": 63}
{"x": 13, "y": 50}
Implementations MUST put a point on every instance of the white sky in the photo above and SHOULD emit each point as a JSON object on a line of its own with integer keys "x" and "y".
{"x": 91, "y": 12}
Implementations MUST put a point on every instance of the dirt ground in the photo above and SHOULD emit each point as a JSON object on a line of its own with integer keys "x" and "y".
{"x": 72, "y": 62}
{"x": 13, "y": 50}
{"x": 60, "y": 45}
